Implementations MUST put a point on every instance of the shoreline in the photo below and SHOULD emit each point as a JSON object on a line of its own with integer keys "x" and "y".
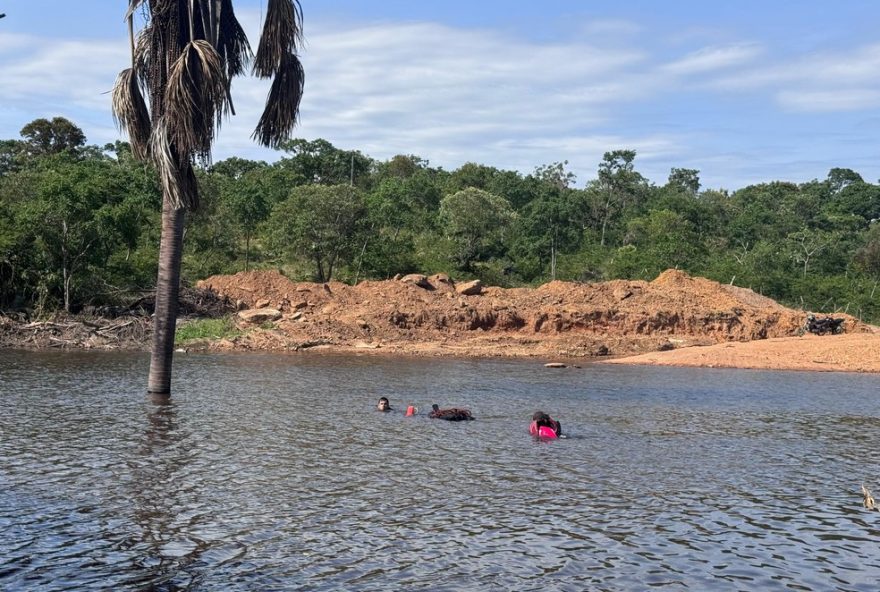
{"x": 856, "y": 352}
{"x": 674, "y": 320}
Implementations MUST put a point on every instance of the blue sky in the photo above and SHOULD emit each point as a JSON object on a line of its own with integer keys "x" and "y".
{"x": 743, "y": 91}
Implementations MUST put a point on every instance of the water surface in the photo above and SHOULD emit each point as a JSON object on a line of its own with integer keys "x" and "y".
{"x": 275, "y": 472}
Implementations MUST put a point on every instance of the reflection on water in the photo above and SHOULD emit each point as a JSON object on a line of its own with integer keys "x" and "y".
{"x": 276, "y": 472}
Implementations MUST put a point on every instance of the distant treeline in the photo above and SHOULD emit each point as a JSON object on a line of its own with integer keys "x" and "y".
{"x": 79, "y": 224}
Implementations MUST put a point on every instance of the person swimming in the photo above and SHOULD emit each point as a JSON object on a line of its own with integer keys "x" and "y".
{"x": 384, "y": 404}
{"x": 451, "y": 414}
{"x": 544, "y": 426}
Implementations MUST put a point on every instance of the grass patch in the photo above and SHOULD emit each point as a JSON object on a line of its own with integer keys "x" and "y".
{"x": 205, "y": 329}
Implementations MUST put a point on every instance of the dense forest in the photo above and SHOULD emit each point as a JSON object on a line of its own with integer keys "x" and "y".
{"x": 79, "y": 224}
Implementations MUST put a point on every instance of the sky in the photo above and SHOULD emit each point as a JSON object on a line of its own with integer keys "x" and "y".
{"x": 745, "y": 92}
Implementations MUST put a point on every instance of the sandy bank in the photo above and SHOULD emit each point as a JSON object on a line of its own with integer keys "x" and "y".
{"x": 831, "y": 353}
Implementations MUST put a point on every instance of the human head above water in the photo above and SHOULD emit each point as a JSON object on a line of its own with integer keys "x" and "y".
{"x": 384, "y": 404}
{"x": 540, "y": 416}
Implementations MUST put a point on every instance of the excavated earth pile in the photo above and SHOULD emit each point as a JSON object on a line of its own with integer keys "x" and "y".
{"x": 435, "y": 316}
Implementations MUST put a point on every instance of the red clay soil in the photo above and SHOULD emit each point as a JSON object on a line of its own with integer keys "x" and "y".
{"x": 558, "y": 319}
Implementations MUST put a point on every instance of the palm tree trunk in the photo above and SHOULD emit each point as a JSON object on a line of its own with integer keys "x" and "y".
{"x": 167, "y": 292}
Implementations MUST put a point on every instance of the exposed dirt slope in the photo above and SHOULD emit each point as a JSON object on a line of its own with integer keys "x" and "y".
{"x": 557, "y": 319}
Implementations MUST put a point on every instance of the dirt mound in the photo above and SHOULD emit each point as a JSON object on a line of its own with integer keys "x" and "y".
{"x": 558, "y": 318}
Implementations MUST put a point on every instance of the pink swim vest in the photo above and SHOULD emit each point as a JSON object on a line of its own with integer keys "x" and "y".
{"x": 541, "y": 432}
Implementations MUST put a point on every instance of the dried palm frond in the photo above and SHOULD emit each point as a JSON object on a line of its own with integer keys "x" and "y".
{"x": 166, "y": 165}
{"x": 282, "y": 105}
{"x": 130, "y": 113}
{"x": 232, "y": 43}
{"x": 175, "y": 171}
{"x": 233, "y": 47}
{"x": 141, "y": 58}
{"x": 282, "y": 31}
{"x": 195, "y": 98}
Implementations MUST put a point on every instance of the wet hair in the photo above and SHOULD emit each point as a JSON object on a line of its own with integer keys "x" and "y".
{"x": 384, "y": 399}
{"x": 542, "y": 419}
{"x": 451, "y": 414}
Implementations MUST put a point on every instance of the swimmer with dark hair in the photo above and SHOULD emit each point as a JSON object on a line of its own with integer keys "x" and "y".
{"x": 544, "y": 426}
{"x": 451, "y": 414}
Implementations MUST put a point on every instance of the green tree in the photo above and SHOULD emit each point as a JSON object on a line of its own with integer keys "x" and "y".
{"x": 759, "y": 212}
{"x": 69, "y": 232}
{"x": 319, "y": 161}
{"x": 249, "y": 209}
{"x": 476, "y": 222}
{"x": 620, "y": 186}
{"x": 556, "y": 175}
{"x": 855, "y": 199}
{"x": 42, "y": 136}
{"x": 402, "y": 166}
{"x": 11, "y": 155}
{"x": 399, "y": 209}
{"x": 665, "y": 239}
{"x": 16, "y": 250}
{"x": 806, "y": 244}
{"x": 508, "y": 184}
{"x": 242, "y": 185}
{"x": 838, "y": 179}
{"x": 470, "y": 174}
{"x": 321, "y": 223}
{"x": 212, "y": 235}
{"x": 185, "y": 58}
{"x": 685, "y": 181}
{"x": 546, "y": 226}
{"x": 867, "y": 258}
{"x": 234, "y": 168}
{"x": 79, "y": 212}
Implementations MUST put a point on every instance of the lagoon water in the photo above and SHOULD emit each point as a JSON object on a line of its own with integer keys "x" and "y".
{"x": 275, "y": 472}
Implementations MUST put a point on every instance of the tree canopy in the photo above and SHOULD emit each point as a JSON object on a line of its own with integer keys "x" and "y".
{"x": 78, "y": 224}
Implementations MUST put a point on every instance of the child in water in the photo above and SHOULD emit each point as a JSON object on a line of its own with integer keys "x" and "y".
{"x": 544, "y": 426}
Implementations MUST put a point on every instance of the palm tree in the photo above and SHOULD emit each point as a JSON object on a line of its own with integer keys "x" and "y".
{"x": 183, "y": 59}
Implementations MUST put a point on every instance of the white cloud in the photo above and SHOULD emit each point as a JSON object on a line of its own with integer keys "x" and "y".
{"x": 78, "y": 71}
{"x": 820, "y": 82}
{"x": 453, "y": 95}
{"x": 12, "y": 41}
{"x": 830, "y": 100}
{"x": 711, "y": 59}
{"x": 616, "y": 28}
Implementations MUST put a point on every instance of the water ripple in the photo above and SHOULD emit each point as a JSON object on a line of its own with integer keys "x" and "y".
{"x": 275, "y": 472}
